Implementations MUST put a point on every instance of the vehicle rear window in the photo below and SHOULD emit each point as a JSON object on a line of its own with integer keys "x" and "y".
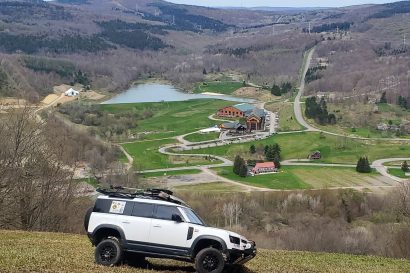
{"x": 113, "y": 206}
{"x": 143, "y": 210}
{"x": 165, "y": 212}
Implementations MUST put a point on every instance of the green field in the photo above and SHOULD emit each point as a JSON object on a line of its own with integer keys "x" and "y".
{"x": 217, "y": 187}
{"x": 287, "y": 120}
{"x": 198, "y": 137}
{"x": 172, "y": 118}
{"x": 66, "y": 253}
{"x": 170, "y": 173}
{"x": 147, "y": 157}
{"x": 284, "y": 180}
{"x": 222, "y": 87}
{"x": 334, "y": 149}
{"x": 398, "y": 173}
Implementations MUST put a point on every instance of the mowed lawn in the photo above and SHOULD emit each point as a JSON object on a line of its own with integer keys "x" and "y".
{"x": 172, "y": 118}
{"x": 147, "y": 157}
{"x": 307, "y": 177}
{"x": 66, "y": 253}
{"x": 222, "y": 87}
{"x": 215, "y": 187}
{"x": 399, "y": 173}
{"x": 170, "y": 173}
{"x": 334, "y": 149}
{"x": 284, "y": 180}
{"x": 198, "y": 137}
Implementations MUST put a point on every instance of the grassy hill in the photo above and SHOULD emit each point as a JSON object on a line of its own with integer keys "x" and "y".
{"x": 53, "y": 252}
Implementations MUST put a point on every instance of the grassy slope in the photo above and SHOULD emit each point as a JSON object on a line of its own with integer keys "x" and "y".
{"x": 285, "y": 180}
{"x": 198, "y": 137}
{"x": 287, "y": 120}
{"x": 334, "y": 149}
{"x": 222, "y": 87}
{"x": 173, "y": 118}
{"x": 170, "y": 173}
{"x": 147, "y": 157}
{"x": 53, "y": 252}
{"x": 306, "y": 177}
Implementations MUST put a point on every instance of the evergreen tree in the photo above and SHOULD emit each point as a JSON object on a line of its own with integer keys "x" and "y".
{"x": 270, "y": 155}
{"x": 204, "y": 71}
{"x": 363, "y": 165}
{"x": 252, "y": 149}
{"x": 237, "y": 165}
{"x": 276, "y": 91}
{"x": 405, "y": 166}
{"x": 243, "y": 170}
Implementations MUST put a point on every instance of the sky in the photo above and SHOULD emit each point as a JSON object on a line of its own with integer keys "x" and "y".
{"x": 278, "y": 3}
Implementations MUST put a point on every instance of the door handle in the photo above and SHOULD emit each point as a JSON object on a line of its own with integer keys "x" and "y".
{"x": 157, "y": 226}
{"x": 125, "y": 222}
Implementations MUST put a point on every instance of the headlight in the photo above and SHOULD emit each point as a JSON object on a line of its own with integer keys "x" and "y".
{"x": 235, "y": 240}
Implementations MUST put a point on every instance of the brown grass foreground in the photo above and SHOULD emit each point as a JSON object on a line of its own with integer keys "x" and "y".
{"x": 55, "y": 252}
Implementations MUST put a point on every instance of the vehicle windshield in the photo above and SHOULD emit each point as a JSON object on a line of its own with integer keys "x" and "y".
{"x": 193, "y": 217}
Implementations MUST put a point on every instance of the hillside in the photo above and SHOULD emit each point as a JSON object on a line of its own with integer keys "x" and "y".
{"x": 53, "y": 252}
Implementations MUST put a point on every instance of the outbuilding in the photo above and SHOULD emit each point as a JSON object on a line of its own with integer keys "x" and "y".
{"x": 71, "y": 93}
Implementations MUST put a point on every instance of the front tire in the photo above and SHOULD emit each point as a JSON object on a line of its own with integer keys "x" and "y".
{"x": 108, "y": 252}
{"x": 209, "y": 260}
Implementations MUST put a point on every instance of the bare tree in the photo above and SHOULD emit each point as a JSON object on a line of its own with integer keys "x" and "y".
{"x": 36, "y": 177}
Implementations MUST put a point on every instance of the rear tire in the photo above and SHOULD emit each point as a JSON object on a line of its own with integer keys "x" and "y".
{"x": 108, "y": 252}
{"x": 209, "y": 260}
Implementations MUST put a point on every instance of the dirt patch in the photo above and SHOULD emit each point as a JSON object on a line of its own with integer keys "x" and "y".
{"x": 92, "y": 95}
{"x": 49, "y": 99}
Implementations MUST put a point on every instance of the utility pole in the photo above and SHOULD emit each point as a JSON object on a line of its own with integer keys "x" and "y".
{"x": 309, "y": 27}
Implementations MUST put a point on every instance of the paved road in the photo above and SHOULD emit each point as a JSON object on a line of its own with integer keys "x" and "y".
{"x": 379, "y": 166}
{"x": 297, "y": 105}
{"x": 297, "y": 108}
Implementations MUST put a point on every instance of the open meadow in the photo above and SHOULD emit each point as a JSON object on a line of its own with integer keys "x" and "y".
{"x": 66, "y": 253}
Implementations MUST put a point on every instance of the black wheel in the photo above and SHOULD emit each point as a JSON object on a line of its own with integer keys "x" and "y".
{"x": 108, "y": 252}
{"x": 209, "y": 260}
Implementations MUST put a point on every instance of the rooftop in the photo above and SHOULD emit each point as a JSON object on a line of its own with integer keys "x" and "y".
{"x": 265, "y": 165}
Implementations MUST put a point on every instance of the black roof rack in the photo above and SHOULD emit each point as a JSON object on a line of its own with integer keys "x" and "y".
{"x": 131, "y": 193}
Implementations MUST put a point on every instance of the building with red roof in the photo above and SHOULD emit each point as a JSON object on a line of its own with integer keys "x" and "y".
{"x": 265, "y": 167}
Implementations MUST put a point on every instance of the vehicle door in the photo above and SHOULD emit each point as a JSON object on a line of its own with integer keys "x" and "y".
{"x": 137, "y": 226}
{"x": 169, "y": 231}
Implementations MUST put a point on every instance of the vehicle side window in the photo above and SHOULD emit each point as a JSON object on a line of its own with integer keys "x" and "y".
{"x": 165, "y": 212}
{"x": 143, "y": 210}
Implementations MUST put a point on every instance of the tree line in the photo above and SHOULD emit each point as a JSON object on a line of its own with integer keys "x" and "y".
{"x": 283, "y": 88}
{"x": 318, "y": 111}
{"x": 343, "y": 26}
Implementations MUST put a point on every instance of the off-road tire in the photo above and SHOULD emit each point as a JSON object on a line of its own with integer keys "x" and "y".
{"x": 108, "y": 252}
{"x": 209, "y": 260}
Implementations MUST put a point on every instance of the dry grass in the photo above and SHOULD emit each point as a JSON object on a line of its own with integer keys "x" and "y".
{"x": 53, "y": 252}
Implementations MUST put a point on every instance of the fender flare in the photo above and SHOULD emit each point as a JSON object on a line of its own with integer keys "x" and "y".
{"x": 207, "y": 237}
{"x": 106, "y": 226}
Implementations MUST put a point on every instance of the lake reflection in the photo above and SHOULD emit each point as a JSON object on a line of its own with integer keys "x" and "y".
{"x": 156, "y": 92}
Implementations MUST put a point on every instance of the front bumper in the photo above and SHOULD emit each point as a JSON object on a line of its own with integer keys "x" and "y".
{"x": 236, "y": 256}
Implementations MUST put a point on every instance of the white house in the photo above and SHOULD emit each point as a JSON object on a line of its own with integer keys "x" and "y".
{"x": 71, "y": 93}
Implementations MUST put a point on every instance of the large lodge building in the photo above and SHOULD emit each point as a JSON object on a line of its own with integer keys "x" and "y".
{"x": 255, "y": 117}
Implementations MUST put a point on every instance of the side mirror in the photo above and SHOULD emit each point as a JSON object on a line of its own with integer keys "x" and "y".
{"x": 177, "y": 218}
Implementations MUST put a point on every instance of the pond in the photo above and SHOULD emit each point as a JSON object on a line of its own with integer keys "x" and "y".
{"x": 156, "y": 92}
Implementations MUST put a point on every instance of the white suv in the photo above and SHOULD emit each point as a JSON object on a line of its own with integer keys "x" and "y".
{"x": 153, "y": 223}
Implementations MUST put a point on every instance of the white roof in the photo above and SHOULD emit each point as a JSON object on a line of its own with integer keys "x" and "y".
{"x": 212, "y": 129}
{"x": 71, "y": 90}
